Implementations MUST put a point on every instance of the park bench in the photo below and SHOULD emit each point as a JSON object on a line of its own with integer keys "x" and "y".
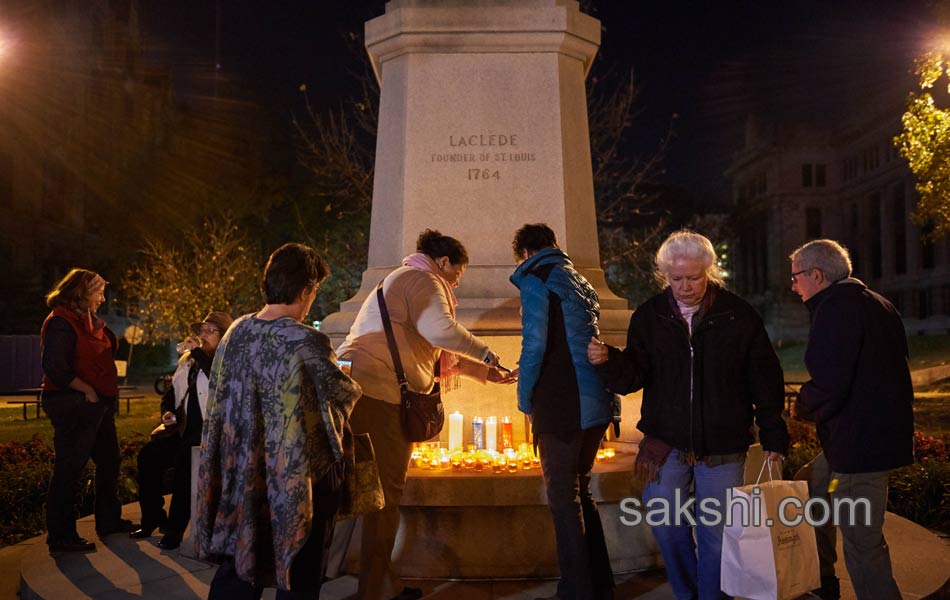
{"x": 37, "y": 393}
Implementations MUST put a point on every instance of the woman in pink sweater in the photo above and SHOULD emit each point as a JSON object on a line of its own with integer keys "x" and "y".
{"x": 421, "y": 304}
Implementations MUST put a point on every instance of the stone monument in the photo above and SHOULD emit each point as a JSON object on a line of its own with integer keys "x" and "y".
{"x": 483, "y": 128}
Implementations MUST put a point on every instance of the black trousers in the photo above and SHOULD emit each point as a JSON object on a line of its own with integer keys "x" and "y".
{"x": 310, "y": 564}
{"x": 154, "y": 459}
{"x": 81, "y": 431}
{"x": 566, "y": 462}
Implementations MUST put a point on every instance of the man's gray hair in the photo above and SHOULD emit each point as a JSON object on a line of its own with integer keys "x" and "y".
{"x": 687, "y": 244}
{"x": 828, "y": 256}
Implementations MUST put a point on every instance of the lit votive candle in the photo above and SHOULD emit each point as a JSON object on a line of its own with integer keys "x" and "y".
{"x": 456, "y": 421}
{"x": 609, "y": 454}
{"x": 507, "y": 433}
{"x": 600, "y": 455}
{"x": 491, "y": 433}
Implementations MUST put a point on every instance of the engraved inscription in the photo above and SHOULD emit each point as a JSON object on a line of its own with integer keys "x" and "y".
{"x": 492, "y": 153}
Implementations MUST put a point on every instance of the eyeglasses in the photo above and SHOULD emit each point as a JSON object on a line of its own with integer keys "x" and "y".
{"x": 797, "y": 273}
{"x": 208, "y": 330}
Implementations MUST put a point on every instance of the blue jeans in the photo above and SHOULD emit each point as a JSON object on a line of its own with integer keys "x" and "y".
{"x": 692, "y": 574}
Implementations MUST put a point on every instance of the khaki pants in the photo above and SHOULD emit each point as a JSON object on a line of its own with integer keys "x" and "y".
{"x": 866, "y": 554}
{"x": 381, "y": 421}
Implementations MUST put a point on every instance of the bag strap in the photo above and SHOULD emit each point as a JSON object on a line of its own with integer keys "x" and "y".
{"x": 762, "y": 470}
{"x": 390, "y": 338}
{"x": 391, "y": 342}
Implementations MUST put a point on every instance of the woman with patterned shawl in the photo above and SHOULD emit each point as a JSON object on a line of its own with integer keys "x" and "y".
{"x": 272, "y": 459}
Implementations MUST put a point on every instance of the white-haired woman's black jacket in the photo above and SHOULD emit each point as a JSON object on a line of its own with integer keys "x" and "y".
{"x": 701, "y": 394}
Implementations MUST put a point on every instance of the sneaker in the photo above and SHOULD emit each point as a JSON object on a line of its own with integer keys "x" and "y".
{"x": 830, "y": 588}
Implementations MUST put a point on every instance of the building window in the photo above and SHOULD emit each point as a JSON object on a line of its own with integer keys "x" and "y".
{"x": 900, "y": 230}
{"x": 820, "y": 178}
{"x": 928, "y": 250}
{"x": 874, "y": 233}
{"x": 812, "y": 223}
{"x": 806, "y": 176}
{"x": 54, "y": 192}
{"x": 897, "y": 299}
{"x": 854, "y": 237}
{"x": 923, "y": 304}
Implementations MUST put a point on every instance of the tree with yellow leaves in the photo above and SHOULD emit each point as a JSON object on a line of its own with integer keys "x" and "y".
{"x": 925, "y": 143}
{"x": 212, "y": 267}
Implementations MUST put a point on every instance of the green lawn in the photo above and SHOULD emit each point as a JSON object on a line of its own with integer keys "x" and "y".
{"x": 925, "y": 351}
{"x": 142, "y": 418}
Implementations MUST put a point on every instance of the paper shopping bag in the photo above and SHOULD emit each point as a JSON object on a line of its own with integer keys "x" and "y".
{"x": 765, "y": 556}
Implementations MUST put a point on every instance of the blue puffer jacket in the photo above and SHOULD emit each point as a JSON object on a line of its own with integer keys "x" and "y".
{"x": 550, "y": 271}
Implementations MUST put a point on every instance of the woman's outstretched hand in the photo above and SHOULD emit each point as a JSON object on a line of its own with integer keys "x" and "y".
{"x": 502, "y": 375}
{"x": 597, "y": 352}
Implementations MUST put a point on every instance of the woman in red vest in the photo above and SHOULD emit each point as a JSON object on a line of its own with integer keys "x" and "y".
{"x": 80, "y": 385}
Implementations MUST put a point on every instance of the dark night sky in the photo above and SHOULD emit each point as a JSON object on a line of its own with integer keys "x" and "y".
{"x": 709, "y": 63}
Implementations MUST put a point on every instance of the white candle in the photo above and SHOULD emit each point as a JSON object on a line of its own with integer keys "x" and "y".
{"x": 455, "y": 430}
{"x": 491, "y": 430}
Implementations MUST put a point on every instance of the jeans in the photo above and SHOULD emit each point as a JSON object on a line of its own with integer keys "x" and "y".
{"x": 81, "y": 430}
{"x": 154, "y": 459}
{"x": 692, "y": 566}
{"x": 566, "y": 462}
{"x": 866, "y": 554}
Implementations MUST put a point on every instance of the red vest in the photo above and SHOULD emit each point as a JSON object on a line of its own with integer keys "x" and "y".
{"x": 94, "y": 358}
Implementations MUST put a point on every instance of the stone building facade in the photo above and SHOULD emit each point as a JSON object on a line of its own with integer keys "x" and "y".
{"x": 792, "y": 184}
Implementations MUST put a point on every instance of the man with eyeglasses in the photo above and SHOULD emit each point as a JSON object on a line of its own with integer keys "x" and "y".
{"x": 861, "y": 399}
{"x": 183, "y": 408}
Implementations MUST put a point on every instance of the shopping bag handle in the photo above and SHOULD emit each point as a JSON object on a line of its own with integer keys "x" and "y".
{"x": 762, "y": 470}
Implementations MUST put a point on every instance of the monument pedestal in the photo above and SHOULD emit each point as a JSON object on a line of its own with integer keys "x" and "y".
{"x": 484, "y": 526}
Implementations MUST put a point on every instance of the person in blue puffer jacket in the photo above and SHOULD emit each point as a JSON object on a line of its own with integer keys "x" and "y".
{"x": 568, "y": 404}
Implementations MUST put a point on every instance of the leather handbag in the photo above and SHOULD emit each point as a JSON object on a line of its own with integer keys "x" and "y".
{"x": 422, "y": 415}
{"x": 362, "y": 490}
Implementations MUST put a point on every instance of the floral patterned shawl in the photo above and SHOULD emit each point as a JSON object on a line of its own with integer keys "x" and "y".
{"x": 277, "y": 408}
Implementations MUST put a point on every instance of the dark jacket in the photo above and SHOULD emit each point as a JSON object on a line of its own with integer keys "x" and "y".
{"x": 860, "y": 394}
{"x": 730, "y": 362}
{"x": 550, "y": 285}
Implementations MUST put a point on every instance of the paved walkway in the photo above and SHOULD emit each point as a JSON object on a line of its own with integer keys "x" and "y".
{"x": 125, "y": 569}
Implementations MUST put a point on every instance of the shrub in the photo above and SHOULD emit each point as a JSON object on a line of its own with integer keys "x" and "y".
{"x": 25, "y": 471}
{"x": 921, "y": 492}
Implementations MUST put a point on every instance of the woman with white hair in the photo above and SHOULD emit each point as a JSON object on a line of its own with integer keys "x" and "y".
{"x": 706, "y": 366}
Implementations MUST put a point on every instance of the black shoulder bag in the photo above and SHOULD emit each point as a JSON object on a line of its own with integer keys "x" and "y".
{"x": 422, "y": 415}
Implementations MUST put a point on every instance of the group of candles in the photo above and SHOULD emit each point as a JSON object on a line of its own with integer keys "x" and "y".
{"x": 434, "y": 456}
{"x": 484, "y": 433}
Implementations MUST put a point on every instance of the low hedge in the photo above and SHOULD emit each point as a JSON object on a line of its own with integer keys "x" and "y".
{"x": 25, "y": 470}
{"x": 919, "y": 492}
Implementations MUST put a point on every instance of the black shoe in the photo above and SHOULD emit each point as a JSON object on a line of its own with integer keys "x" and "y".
{"x": 142, "y": 532}
{"x": 76, "y": 545}
{"x": 408, "y": 593}
{"x": 171, "y": 540}
{"x": 830, "y": 588}
{"x": 121, "y": 526}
